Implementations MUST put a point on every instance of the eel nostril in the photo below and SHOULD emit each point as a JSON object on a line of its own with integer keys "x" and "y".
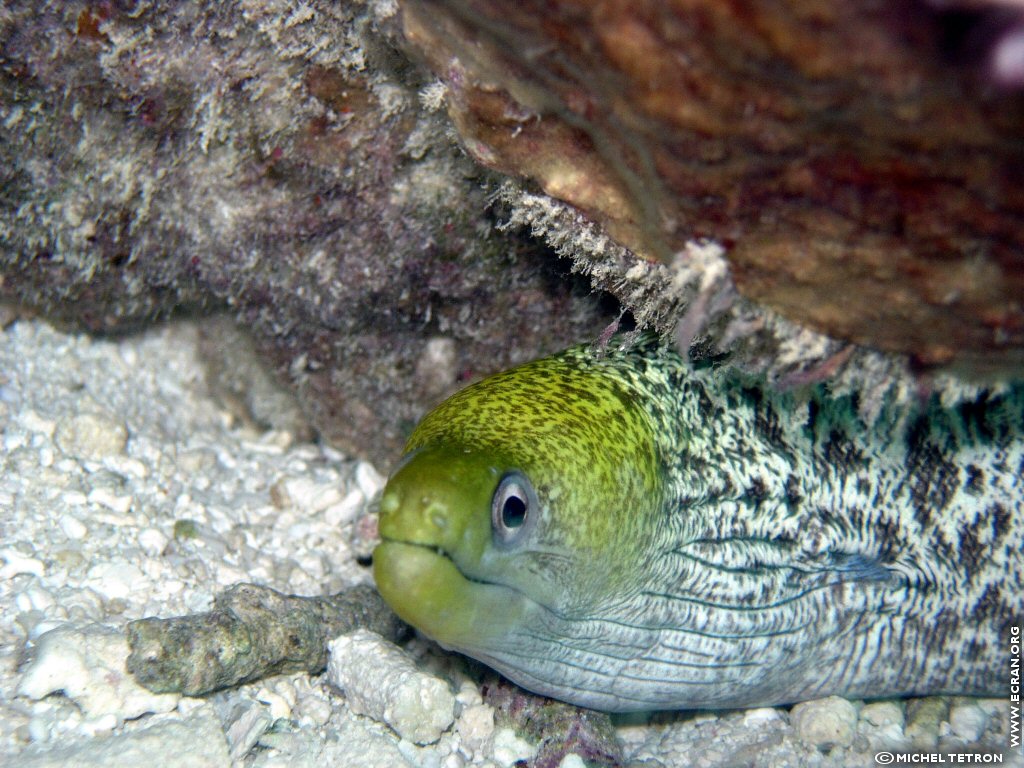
{"x": 389, "y": 503}
{"x": 435, "y": 514}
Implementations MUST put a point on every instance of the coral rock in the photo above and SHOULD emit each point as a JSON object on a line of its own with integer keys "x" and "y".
{"x": 863, "y": 174}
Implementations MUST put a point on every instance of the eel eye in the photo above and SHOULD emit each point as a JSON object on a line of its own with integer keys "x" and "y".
{"x": 513, "y": 508}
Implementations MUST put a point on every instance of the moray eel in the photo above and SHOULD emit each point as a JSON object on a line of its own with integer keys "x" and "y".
{"x": 621, "y": 531}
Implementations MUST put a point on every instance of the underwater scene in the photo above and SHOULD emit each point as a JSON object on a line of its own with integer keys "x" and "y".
{"x": 465, "y": 384}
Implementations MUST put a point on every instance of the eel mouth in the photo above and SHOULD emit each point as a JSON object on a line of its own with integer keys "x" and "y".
{"x": 427, "y": 590}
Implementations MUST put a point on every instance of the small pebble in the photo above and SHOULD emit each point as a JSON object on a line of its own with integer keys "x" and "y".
{"x": 284, "y": 688}
{"x": 196, "y": 462}
{"x": 33, "y": 422}
{"x": 968, "y": 721}
{"x": 114, "y": 580}
{"x": 46, "y": 456}
{"x": 825, "y": 723}
{"x": 923, "y": 718}
{"x": 53, "y": 719}
{"x": 891, "y": 736}
{"x": 305, "y": 494}
{"x": 115, "y": 502}
{"x": 279, "y": 707}
{"x": 116, "y": 606}
{"x": 508, "y": 749}
{"x": 758, "y": 716}
{"x": 475, "y": 728}
{"x": 34, "y": 598}
{"x": 369, "y": 480}
{"x": 14, "y": 563}
{"x": 345, "y": 510}
{"x": 73, "y": 498}
{"x": 317, "y": 710}
{"x": 91, "y": 436}
{"x": 83, "y": 605}
{"x": 153, "y": 541}
{"x": 126, "y": 466}
{"x": 12, "y": 441}
{"x": 994, "y": 707}
{"x": 73, "y": 528}
{"x": 246, "y": 724}
{"x": 469, "y": 693}
{"x": 882, "y": 713}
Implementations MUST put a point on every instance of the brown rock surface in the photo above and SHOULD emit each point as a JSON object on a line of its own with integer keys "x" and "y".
{"x": 864, "y": 174}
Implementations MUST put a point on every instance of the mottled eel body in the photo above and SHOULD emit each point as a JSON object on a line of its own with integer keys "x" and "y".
{"x": 617, "y": 530}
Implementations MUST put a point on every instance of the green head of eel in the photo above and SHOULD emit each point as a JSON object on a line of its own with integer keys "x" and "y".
{"x": 518, "y": 507}
{"x": 615, "y": 529}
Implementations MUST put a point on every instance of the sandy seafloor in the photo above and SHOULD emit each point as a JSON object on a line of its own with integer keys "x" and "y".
{"x": 128, "y": 490}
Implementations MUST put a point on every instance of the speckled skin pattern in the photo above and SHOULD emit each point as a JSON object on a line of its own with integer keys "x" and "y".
{"x": 699, "y": 542}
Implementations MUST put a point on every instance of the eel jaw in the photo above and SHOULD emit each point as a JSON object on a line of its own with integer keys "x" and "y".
{"x": 426, "y": 589}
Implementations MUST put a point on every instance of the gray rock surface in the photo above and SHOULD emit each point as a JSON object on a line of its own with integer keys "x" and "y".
{"x": 193, "y": 742}
{"x": 285, "y": 160}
